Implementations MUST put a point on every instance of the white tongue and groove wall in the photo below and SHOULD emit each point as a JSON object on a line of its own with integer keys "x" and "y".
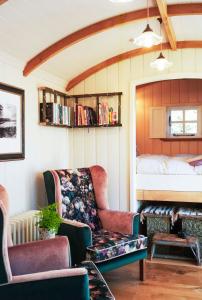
{"x": 45, "y": 147}
{"x": 53, "y": 148}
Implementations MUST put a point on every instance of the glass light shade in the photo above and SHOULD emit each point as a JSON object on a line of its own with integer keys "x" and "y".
{"x": 121, "y": 1}
{"x": 148, "y": 38}
{"x": 161, "y": 63}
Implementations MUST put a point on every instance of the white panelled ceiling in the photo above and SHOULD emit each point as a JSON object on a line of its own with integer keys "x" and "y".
{"x": 29, "y": 26}
{"x": 188, "y": 28}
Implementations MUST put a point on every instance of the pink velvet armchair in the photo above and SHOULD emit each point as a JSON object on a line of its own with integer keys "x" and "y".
{"x": 37, "y": 270}
{"x": 108, "y": 238}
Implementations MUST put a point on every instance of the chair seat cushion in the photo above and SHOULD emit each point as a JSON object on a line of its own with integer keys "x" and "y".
{"x": 108, "y": 245}
{"x": 97, "y": 285}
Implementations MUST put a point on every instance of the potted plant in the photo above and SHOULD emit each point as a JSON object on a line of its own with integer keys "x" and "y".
{"x": 49, "y": 222}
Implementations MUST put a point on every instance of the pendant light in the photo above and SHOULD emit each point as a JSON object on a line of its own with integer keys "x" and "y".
{"x": 160, "y": 63}
{"x": 148, "y": 38}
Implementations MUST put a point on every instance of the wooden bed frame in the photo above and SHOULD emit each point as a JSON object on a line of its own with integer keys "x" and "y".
{"x": 173, "y": 196}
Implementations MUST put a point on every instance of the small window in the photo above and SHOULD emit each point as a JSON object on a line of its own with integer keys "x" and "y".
{"x": 184, "y": 121}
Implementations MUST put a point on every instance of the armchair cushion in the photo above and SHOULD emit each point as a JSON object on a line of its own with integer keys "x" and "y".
{"x": 118, "y": 221}
{"x": 40, "y": 256}
{"x": 108, "y": 245}
{"x": 76, "y": 195}
{"x": 100, "y": 182}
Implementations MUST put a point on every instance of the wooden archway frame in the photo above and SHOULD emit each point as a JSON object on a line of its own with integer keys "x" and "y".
{"x": 77, "y": 36}
{"x": 136, "y": 52}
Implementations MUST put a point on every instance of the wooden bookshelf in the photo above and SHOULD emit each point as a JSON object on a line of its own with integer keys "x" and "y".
{"x": 96, "y": 126}
{"x": 57, "y": 109}
{"x": 54, "y": 125}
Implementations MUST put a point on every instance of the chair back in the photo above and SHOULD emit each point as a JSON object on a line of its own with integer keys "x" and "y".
{"x": 5, "y": 270}
{"x": 74, "y": 192}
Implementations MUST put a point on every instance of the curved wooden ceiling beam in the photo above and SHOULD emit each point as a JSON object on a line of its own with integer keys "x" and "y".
{"x": 132, "y": 53}
{"x": 184, "y": 9}
{"x": 77, "y": 36}
{"x": 84, "y": 33}
{"x": 3, "y": 1}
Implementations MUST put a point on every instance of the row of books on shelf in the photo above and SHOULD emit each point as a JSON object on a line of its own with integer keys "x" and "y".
{"x": 57, "y": 114}
{"x": 107, "y": 115}
{"x": 79, "y": 115}
{"x": 84, "y": 115}
{"x": 87, "y": 116}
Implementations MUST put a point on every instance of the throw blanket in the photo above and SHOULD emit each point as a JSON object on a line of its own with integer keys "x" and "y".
{"x": 170, "y": 211}
{"x": 153, "y": 210}
{"x": 184, "y": 212}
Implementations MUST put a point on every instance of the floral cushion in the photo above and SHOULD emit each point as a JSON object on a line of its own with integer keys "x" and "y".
{"x": 108, "y": 245}
{"x": 99, "y": 290}
{"x": 78, "y": 197}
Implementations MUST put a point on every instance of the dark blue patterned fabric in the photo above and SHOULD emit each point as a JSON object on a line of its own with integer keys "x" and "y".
{"x": 108, "y": 245}
{"x": 99, "y": 290}
{"x": 78, "y": 197}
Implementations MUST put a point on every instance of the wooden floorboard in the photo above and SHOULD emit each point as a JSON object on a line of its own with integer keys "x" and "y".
{"x": 164, "y": 281}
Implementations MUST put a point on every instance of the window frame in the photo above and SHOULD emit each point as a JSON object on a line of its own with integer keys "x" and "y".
{"x": 184, "y": 108}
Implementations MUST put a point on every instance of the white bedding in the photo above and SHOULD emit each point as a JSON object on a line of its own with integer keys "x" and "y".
{"x": 166, "y": 165}
{"x": 180, "y": 183}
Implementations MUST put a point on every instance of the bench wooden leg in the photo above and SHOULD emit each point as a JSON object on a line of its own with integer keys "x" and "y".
{"x": 198, "y": 255}
{"x": 153, "y": 250}
{"x": 142, "y": 269}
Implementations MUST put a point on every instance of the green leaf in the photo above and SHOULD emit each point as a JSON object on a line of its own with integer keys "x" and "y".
{"x": 49, "y": 218}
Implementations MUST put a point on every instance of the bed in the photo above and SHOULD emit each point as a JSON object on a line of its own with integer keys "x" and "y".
{"x": 165, "y": 178}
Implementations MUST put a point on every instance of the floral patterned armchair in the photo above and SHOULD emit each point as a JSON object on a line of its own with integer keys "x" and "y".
{"x": 108, "y": 238}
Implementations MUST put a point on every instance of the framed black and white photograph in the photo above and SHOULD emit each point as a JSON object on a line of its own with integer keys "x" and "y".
{"x": 12, "y": 143}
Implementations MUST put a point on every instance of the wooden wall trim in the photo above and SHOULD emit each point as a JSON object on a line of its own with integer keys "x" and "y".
{"x": 171, "y": 196}
{"x": 129, "y": 54}
{"x": 77, "y": 36}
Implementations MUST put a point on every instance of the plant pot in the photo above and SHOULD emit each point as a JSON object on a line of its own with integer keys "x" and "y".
{"x": 45, "y": 234}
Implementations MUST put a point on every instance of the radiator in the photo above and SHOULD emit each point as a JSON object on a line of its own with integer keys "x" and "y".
{"x": 23, "y": 227}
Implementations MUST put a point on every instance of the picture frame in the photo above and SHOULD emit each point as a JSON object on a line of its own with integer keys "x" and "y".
{"x": 12, "y": 127}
